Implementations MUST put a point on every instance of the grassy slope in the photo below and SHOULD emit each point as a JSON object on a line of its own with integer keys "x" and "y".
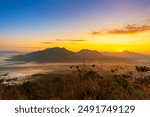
{"x": 82, "y": 83}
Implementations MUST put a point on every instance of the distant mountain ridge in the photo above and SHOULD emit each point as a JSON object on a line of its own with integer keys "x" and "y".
{"x": 8, "y": 52}
{"x": 63, "y": 55}
{"x": 128, "y": 54}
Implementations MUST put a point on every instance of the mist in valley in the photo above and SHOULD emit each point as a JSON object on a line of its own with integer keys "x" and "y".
{"x": 21, "y": 69}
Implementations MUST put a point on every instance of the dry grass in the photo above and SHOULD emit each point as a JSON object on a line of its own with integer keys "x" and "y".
{"x": 83, "y": 83}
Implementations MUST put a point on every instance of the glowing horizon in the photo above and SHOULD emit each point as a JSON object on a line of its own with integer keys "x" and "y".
{"x": 108, "y": 26}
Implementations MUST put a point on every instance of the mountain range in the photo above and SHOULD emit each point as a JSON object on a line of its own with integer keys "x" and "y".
{"x": 128, "y": 54}
{"x": 8, "y": 52}
{"x": 63, "y": 55}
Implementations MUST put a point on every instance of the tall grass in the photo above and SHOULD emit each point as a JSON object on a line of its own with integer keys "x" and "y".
{"x": 82, "y": 83}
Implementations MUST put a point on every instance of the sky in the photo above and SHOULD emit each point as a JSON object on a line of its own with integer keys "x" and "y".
{"x": 102, "y": 25}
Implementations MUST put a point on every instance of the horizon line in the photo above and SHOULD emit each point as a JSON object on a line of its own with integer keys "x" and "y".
{"x": 120, "y": 51}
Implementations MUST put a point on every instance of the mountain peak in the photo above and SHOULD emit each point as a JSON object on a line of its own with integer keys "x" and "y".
{"x": 55, "y": 48}
{"x": 86, "y": 50}
{"x": 126, "y": 51}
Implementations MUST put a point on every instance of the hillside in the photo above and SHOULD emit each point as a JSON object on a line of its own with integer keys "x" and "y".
{"x": 63, "y": 55}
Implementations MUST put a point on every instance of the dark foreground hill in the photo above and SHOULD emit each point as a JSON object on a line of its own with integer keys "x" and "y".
{"x": 63, "y": 55}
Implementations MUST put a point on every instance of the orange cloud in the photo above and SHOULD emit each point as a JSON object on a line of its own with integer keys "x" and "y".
{"x": 47, "y": 42}
{"x": 74, "y": 40}
{"x": 128, "y": 29}
{"x": 63, "y": 40}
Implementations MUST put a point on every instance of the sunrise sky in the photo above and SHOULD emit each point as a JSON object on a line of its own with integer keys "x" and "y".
{"x": 103, "y": 25}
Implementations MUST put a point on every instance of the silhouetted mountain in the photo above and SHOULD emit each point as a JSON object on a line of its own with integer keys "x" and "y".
{"x": 47, "y": 55}
{"x": 133, "y": 55}
{"x": 92, "y": 55}
{"x": 87, "y": 52}
{"x": 128, "y": 54}
{"x": 64, "y": 55}
{"x": 60, "y": 55}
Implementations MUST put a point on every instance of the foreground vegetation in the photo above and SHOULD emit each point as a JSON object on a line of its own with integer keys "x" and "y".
{"x": 82, "y": 83}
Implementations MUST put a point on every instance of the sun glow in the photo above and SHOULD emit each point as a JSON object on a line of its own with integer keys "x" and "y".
{"x": 121, "y": 51}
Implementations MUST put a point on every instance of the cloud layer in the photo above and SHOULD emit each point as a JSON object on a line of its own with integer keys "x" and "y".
{"x": 63, "y": 40}
{"x": 128, "y": 29}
